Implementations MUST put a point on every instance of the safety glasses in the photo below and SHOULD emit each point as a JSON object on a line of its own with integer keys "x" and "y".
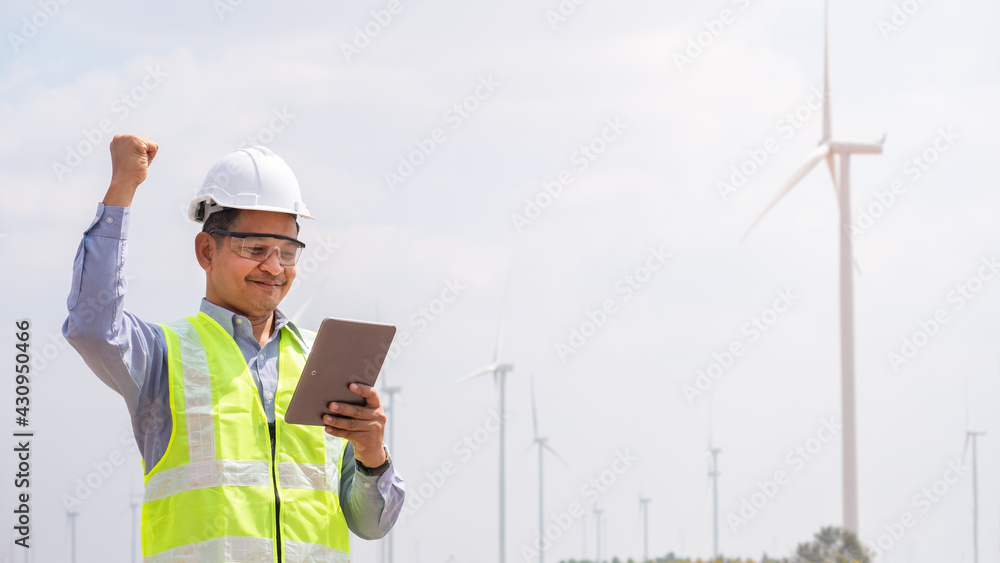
{"x": 259, "y": 246}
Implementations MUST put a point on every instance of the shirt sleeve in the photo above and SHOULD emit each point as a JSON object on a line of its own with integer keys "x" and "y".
{"x": 122, "y": 350}
{"x": 371, "y": 504}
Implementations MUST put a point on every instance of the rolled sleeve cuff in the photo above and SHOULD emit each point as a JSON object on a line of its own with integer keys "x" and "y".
{"x": 110, "y": 221}
{"x": 386, "y": 489}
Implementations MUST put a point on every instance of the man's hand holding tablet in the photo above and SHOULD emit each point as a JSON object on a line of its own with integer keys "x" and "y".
{"x": 336, "y": 389}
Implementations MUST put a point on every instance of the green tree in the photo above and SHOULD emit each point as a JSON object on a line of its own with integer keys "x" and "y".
{"x": 832, "y": 545}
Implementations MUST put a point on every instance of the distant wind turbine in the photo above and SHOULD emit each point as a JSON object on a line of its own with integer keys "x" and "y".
{"x": 390, "y": 412}
{"x": 499, "y": 371}
{"x": 71, "y": 515}
{"x": 828, "y": 149}
{"x": 542, "y": 444}
{"x": 644, "y": 503}
{"x": 971, "y": 436}
{"x": 597, "y": 517}
{"x": 714, "y": 474}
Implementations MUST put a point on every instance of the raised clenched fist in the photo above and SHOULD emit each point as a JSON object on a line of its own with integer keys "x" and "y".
{"x": 131, "y": 156}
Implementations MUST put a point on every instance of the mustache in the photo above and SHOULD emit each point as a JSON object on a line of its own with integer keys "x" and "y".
{"x": 277, "y": 280}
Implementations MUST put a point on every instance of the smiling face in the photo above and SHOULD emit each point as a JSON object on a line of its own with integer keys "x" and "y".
{"x": 242, "y": 285}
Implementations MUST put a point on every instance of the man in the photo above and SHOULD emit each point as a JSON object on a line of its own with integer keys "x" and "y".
{"x": 226, "y": 478}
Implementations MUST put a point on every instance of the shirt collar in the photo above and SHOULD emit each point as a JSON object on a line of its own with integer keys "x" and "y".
{"x": 227, "y": 320}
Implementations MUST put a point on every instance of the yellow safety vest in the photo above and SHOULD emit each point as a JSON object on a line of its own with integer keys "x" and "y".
{"x": 212, "y": 495}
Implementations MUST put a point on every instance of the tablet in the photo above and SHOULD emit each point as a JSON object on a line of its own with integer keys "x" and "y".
{"x": 344, "y": 352}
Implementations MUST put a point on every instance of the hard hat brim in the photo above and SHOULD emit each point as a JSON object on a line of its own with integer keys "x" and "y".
{"x": 211, "y": 202}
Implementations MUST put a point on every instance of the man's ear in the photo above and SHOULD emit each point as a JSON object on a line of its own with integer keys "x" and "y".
{"x": 204, "y": 250}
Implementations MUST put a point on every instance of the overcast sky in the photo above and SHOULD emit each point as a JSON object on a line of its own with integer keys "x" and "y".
{"x": 497, "y": 100}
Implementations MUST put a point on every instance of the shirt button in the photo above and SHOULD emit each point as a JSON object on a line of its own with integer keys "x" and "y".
{"x": 270, "y": 396}
{"x": 260, "y": 356}
{"x": 110, "y": 220}
{"x": 368, "y": 485}
{"x": 239, "y": 321}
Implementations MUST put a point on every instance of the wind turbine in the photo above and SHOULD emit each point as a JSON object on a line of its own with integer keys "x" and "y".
{"x": 644, "y": 503}
{"x": 714, "y": 474}
{"x": 499, "y": 371}
{"x": 71, "y": 515}
{"x": 390, "y": 391}
{"x": 597, "y": 517}
{"x": 390, "y": 411}
{"x": 542, "y": 444}
{"x": 971, "y": 436}
{"x": 828, "y": 149}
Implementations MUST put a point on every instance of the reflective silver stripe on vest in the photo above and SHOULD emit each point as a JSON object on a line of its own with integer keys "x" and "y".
{"x": 313, "y": 475}
{"x": 197, "y": 394}
{"x": 207, "y": 474}
{"x": 305, "y": 476}
{"x": 229, "y": 549}
{"x": 301, "y": 552}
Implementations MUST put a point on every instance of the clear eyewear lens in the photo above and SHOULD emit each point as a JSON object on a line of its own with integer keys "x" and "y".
{"x": 260, "y": 249}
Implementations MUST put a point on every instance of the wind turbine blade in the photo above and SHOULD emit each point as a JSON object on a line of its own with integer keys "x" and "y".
{"x": 833, "y": 172}
{"x": 481, "y": 371}
{"x": 857, "y": 266}
{"x": 553, "y": 452}
{"x": 297, "y": 317}
{"x": 534, "y": 415}
{"x": 826, "y": 75}
{"x": 503, "y": 313}
{"x": 817, "y": 156}
{"x": 855, "y": 147}
{"x": 965, "y": 450}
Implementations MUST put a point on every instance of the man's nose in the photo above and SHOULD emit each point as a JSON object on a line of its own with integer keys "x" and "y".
{"x": 271, "y": 264}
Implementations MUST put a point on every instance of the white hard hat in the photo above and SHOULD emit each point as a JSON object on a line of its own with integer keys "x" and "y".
{"x": 251, "y": 178}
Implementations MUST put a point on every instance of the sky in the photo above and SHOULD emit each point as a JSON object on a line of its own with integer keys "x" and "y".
{"x": 602, "y": 162}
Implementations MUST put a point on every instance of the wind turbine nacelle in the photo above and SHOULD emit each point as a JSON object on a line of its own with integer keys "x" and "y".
{"x": 504, "y": 368}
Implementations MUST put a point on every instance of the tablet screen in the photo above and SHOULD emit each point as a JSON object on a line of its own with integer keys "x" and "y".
{"x": 344, "y": 352}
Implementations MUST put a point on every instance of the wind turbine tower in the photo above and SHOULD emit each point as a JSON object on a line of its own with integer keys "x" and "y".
{"x": 390, "y": 411}
{"x": 597, "y": 517}
{"x": 71, "y": 514}
{"x": 390, "y": 392}
{"x": 714, "y": 474}
{"x": 971, "y": 436}
{"x": 644, "y": 502}
{"x": 832, "y": 150}
{"x": 542, "y": 444}
{"x": 499, "y": 371}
